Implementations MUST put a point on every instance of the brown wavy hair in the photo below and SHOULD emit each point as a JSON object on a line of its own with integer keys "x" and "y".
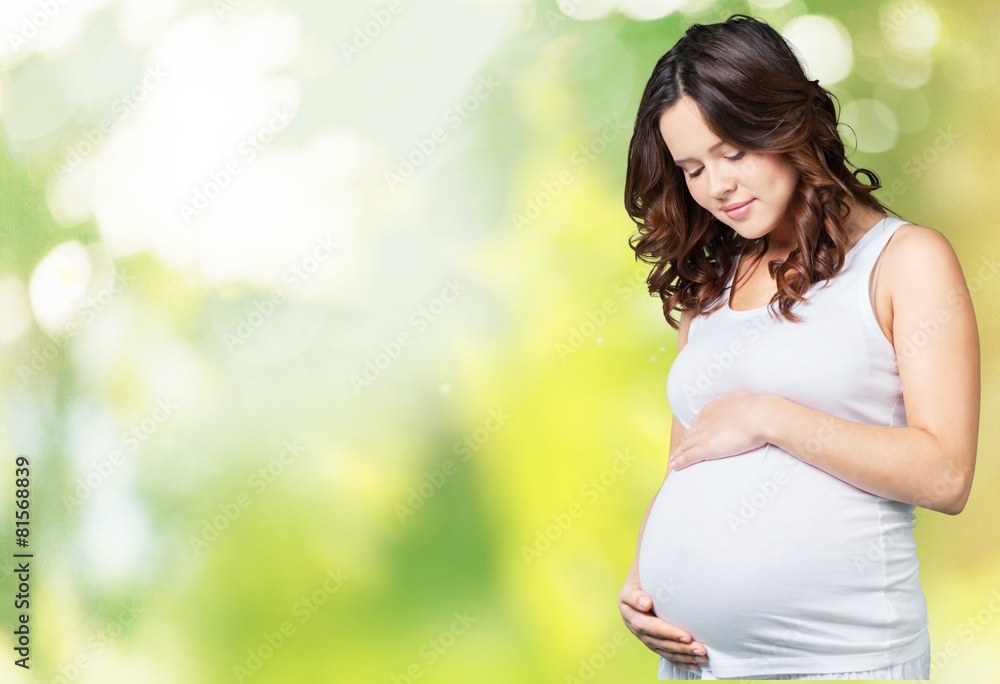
{"x": 754, "y": 94}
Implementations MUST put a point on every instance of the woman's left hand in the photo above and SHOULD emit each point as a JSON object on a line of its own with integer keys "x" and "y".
{"x": 729, "y": 424}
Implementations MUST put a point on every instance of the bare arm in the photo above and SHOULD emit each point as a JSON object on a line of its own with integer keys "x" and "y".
{"x": 930, "y": 462}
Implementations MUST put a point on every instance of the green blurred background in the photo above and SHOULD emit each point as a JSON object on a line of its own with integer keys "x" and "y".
{"x": 323, "y": 337}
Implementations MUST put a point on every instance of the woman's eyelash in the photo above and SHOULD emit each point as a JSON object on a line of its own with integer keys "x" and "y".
{"x": 735, "y": 157}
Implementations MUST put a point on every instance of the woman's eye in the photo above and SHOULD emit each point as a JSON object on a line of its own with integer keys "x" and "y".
{"x": 736, "y": 157}
{"x": 694, "y": 174}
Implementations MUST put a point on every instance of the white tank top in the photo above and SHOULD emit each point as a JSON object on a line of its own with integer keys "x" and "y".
{"x": 775, "y": 565}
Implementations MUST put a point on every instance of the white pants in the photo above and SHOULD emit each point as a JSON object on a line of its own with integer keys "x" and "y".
{"x": 918, "y": 668}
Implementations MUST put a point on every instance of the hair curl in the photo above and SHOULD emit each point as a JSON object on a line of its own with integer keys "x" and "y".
{"x": 754, "y": 94}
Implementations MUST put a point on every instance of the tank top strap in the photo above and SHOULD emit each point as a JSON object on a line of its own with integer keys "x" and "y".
{"x": 866, "y": 252}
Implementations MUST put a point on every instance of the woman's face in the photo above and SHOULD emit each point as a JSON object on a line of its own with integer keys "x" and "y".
{"x": 748, "y": 191}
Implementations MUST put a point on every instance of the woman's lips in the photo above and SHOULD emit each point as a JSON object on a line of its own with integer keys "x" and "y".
{"x": 738, "y": 211}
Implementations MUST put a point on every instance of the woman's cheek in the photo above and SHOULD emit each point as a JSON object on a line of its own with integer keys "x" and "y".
{"x": 699, "y": 195}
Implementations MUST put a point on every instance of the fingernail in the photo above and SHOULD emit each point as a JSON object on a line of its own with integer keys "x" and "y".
{"x": 698, "y": 651}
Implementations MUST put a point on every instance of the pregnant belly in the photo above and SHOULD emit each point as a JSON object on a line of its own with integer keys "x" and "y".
{"x": 749, "y": 553}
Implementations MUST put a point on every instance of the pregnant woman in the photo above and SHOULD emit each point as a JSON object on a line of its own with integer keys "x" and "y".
{"x": 827, "y": 380}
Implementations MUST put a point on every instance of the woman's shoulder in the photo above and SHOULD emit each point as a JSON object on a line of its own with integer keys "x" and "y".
{"x": 915, "y": 230}
{"x": 918, "y": 257}
{"x": 917, "y": 244}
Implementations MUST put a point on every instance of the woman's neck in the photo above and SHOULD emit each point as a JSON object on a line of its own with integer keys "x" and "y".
{"x": 781, "y": 240}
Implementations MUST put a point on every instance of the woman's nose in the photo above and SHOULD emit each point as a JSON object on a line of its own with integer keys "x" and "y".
{"x": 721, "y": 182}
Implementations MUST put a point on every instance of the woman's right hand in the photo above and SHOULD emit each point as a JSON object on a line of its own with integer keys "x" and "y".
{"x": 664, "y": 639}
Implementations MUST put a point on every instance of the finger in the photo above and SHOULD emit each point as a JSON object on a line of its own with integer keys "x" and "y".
{"x": 677, "y": 459}
{"x": 659, "y": 629}
{"x": 684, "y": 666}
{"x": 688, "y": 667}
{"x": 670, "y": 648}
{"x": 678, "y": 659}
{"x": 636, "y": 603}
{"x": 675, "y": 651}
{"x": 690, "y": 649}
{"x": 642, "y": 601}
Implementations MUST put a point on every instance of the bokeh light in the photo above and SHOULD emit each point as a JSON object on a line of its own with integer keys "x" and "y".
{"x": 15, "y": 311}
{"x": 874, "y": 124}
{"x": 58, "y": 284}
{"x": 910, "y": 25}
{"x": 824, "y": 44}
